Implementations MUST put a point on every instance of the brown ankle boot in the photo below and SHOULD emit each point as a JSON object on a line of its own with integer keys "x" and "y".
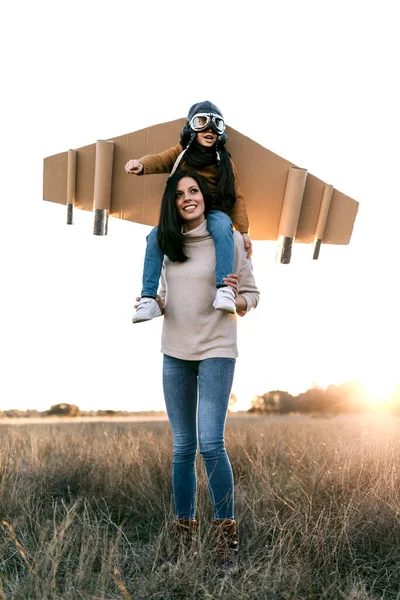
{"x": 226, "y": 544}
{"x": 182, "y": 538}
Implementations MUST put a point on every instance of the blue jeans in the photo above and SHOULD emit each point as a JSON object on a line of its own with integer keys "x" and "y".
{"x": 197, "y": 396}
{"x": 219, "y": 226}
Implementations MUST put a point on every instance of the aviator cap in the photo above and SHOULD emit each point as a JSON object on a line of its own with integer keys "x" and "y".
{"x": 203, "y": 107}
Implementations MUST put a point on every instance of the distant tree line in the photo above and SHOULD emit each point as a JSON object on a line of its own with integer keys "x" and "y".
{"x": 71, "y": 410}
{"x": 349, "y": 397}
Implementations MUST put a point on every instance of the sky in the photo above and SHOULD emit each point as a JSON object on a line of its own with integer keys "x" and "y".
{"x": 312, "y": 81}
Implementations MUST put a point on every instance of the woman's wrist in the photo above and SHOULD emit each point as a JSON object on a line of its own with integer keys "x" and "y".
{"x": 241, "y": 305}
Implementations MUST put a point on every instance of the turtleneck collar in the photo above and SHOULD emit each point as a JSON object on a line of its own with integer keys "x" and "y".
{"x": 198, "y": 233}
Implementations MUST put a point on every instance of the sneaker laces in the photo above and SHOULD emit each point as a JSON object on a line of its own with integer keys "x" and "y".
{"x": 227, "y": 292}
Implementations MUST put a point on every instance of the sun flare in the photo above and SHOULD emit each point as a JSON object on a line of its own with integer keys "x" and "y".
{"x": 380, "y": 392}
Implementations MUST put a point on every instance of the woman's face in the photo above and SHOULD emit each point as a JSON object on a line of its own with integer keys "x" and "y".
{"x": 190, "y": 203}
{"x": 206, "y": 138}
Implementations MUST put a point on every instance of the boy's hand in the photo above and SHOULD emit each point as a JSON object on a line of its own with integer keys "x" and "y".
{"x": 133, "y": 167}
{"x": 247, "y": 244}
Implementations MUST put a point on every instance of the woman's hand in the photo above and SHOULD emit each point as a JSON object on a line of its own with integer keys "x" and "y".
{"x": 248, "y": 246}
{"x": 232, "y": 281}
{"x": 240, "y": 301}
{"x": 133, "y": 167}
{"x": 160, "y": 304}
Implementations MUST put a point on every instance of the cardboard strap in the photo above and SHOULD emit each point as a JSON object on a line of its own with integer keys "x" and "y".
{"x": 292, "y": 201}
{"x": 102, "y": 185}
{"x": 71, "y": 185}
{"x": 322, "y": 219}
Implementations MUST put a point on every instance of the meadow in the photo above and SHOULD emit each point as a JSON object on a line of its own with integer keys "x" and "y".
{"x": 84, "y": 509}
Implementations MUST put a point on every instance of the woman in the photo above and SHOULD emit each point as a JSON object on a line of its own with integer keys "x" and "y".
{"x": 199, "y": 347}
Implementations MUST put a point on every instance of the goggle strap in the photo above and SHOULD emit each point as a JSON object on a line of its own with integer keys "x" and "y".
{"x": 178, "y": 160}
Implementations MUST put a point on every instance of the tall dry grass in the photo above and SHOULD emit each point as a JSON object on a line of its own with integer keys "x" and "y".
{"x": 84, "y": 507}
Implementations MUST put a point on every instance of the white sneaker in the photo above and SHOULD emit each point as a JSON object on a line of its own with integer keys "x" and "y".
{"x": 225, "y": 300}
{"x": 146, "y": 309}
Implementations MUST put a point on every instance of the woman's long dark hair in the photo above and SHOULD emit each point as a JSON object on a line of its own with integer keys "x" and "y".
{"x": 169, "y": 234}
{"x": 225, "y": 195}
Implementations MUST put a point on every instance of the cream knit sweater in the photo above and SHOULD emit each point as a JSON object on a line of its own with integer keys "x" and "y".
{"x": 192, "y": 328}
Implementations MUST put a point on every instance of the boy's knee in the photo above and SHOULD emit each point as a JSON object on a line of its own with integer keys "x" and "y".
{"x": 152, "y": 235}
{"x": 219, "y": 224}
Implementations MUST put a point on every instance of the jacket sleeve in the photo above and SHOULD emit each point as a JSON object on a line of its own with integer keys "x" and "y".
{"x": 238, "y": 213}
{"x": 160, "y": 163}
{"x": 244, "y": 268}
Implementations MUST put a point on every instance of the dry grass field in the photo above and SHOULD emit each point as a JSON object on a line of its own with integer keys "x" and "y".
{"x": 84, "y": 506}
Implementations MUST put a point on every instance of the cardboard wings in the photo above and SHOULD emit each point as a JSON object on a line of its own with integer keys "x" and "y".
{"x": 284, "y": 202}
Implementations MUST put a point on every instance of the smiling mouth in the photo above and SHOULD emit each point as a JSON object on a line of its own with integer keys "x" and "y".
{"x": 190, "y": 207}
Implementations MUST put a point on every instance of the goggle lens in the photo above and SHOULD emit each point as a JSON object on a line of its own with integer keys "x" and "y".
{"x": 200, "y": 122}
{"x": 219, "y": 124}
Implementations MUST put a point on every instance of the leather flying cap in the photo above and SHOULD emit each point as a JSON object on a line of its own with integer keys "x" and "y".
{"x": 203, "y": 107}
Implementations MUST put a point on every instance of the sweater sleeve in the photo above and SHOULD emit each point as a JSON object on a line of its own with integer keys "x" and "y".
{"x": 244, "y": 268}
{"x": 160, "y": 163}
{"x": 238, "y": 213}
{"x": 162, "y": 289}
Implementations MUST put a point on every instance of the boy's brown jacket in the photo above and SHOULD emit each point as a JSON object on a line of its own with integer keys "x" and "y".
{"x": 163, "y": 163}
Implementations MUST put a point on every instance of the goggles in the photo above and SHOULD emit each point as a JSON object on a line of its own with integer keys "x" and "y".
{"x": 203, "y": 121}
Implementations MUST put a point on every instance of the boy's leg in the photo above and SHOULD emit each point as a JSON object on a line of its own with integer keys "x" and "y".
{"x": 153, "y": 261}
{"x": 148, "y": 307}
{"x": 220, "y": 227}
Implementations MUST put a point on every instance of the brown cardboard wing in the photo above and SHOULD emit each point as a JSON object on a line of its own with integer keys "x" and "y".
{"x": 280, "y": 202}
